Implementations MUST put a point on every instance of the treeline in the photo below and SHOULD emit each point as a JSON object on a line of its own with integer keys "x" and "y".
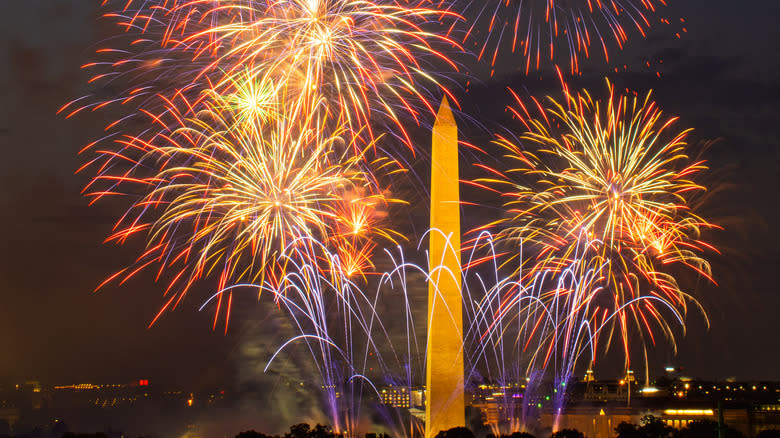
{"x": 303, "y": 430}
{"x": 649, "y": 427}
{"x": 652, "y": 427}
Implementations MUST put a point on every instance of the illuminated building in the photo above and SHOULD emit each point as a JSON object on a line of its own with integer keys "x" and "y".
{"x": 418, "y": 398}
{"x": 397, "y": 397}
{"x": 597, "y": 421}
{"x": 606, "y": 391}
{"x": 597, "y": 407}
{"x": 499, "y": 404}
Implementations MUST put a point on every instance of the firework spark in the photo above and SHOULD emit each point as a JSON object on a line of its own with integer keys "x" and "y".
{"x": 541, "y": 30}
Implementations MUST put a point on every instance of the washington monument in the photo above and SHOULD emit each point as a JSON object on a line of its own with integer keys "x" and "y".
{"x": 444, "y": 407}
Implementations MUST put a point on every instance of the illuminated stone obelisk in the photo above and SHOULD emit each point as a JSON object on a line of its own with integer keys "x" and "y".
{"x": 444, "y": 407}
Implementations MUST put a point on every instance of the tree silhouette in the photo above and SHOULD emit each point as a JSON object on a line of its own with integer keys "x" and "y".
{"x": 84, "y": 435}
{"x": 518, "y": 435}
{"x": 707, "y": 429}
{"x": 512, "y": 435}
{"x": 652, "y": 427}
{"x": 300, "y": 430}
{"x": 303, "y": 430}
{"x": 59, "y": 428}
{"x": 628, "y": 430}
{"x": 456, "y": 432}
{"x": 321, "y": 431}
{"x": 568, "y": 433}
{"x": 253, "y": 434}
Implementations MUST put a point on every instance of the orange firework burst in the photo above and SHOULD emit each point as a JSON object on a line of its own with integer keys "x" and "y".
{"x": 361, "y": 215}
{"x": 362, "y": 57}
{"x": 615, "y": 171}
{"x": 216, "y": 198}
{"x": 359, "y": 64}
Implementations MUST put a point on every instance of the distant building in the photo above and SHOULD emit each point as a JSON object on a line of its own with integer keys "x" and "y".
{"x": 499, "y": 404}
{"x": 594, "y": 421}
{"x": 597, "y": 407}
{"x": 397, "y": 397}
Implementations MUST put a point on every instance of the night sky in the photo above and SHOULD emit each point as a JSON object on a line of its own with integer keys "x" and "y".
{"x": 721, "y": 78}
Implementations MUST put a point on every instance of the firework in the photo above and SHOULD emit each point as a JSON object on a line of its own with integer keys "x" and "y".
{"x": 618, "y": 172}
{"x": 251, "y": 169}
{"x": 547, "y": 30}
{"x": 227, "y": 157}
{"x": 368, "y": 60}
{"x": 363, "y": 57}
{"x": 334, "y": 318}
{"x": 142, "y": 71}
{"x": 361, "y": 217}
{"x": 250, "y": 102}
{"x": 217, "y": 198}
{"x": 524, "y": 335}
{"x": 529, "y": 331}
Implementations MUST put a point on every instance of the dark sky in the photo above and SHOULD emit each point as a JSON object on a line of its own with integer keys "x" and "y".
{"x": 721, "y": 78}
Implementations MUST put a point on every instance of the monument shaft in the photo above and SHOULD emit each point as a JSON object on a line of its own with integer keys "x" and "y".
{"x": 444, "y": 408}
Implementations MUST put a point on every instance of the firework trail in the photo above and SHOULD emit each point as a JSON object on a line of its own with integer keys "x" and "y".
{"x": 524, "y": 334}
{"x": 362, "y": 220}
{"x": 618, "y": 172}
{"x": 143, "y": 65}
{"x": 325, "y": 307}
{"x": 335, "y": 318}
{"x": 527, "y": 334}
{"x": 551, "y": 30}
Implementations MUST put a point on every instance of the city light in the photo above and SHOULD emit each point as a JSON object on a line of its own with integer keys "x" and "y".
{"x": 688, "y": 412}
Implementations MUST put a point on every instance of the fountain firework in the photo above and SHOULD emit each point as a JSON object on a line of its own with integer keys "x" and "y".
{"x": 524, "y": 336}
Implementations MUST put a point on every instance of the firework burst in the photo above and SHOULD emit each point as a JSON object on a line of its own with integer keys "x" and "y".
{"x": 618, "y": 172}
{"x": 368, "y": 60}
{"x": 217, "y": 198}
{"x": 362, "y": 57}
